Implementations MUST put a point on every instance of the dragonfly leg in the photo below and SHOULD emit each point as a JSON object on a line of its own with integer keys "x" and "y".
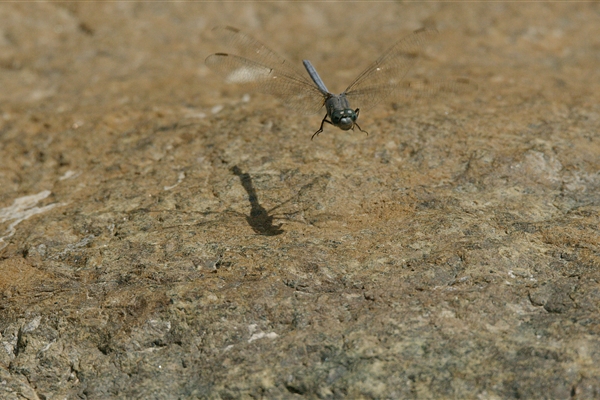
{"x": 355, "y": 124}
{"x": 358, "y": 126}
{"x": 321, "y": 128}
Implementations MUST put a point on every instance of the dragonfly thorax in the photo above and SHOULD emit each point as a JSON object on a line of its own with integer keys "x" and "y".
{"x": 340, "y": 113}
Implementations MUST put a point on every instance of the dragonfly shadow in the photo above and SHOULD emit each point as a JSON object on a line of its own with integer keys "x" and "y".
{"x": 259, "y": 219}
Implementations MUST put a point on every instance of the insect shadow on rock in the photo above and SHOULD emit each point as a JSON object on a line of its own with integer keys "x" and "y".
{"x": 259, "y": 219}
{"x": 255, "y": 65}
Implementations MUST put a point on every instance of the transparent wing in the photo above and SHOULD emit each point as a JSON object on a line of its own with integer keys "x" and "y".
{"x": 261, "y": 69}
{"x": 384, "y": 77}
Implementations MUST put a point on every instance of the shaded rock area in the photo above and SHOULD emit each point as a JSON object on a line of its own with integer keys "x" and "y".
{"x": 165, "y": 235}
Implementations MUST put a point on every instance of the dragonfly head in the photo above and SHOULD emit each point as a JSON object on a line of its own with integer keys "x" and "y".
{"x": 344, "y": 119}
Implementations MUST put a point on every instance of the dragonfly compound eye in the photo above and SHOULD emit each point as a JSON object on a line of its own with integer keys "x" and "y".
{"x": 343, "y": 119}
{"x": 345, "y": 123}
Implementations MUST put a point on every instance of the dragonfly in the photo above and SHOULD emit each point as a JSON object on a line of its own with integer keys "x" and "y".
{"x": 256, "y": 65}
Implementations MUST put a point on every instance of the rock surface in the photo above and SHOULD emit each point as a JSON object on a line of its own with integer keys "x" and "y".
{"x": 164, "y": 235}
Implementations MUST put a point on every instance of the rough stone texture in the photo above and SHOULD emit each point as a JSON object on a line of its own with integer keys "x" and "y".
{"x": 165, "y": 236}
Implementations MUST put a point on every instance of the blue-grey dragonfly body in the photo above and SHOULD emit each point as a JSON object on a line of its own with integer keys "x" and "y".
{"x": 337, "y": 106}
{"x": 256, "y": 65}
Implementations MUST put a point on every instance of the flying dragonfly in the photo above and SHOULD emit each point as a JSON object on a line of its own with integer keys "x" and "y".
{"x": 267, "y": 72}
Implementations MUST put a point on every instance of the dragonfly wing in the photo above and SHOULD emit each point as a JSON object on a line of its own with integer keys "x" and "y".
{"x": 384, "y": 77}
{"x": 261, "y": 69}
